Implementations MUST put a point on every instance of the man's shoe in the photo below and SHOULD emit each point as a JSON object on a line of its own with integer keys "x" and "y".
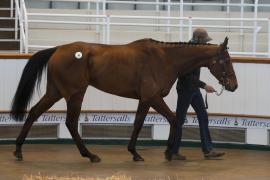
{"x": 213, "y": 154}
{"x": 178, "y": 156}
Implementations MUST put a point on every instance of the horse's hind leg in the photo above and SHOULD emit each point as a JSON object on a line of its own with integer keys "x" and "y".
{"x": 43, "y": 105}
{"x": 73, "y": 112}
{"x": 142, "y": 110}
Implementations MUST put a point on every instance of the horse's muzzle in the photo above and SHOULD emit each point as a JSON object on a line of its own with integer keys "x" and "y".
{"x": 231, "y": 88}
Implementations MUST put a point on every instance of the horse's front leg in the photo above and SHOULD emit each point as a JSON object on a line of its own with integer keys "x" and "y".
{"x": 161, "y": 107}
{"x": 142, "y": 110}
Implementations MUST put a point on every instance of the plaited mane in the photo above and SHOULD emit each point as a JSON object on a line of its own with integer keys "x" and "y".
{"x": 177, "y": 43}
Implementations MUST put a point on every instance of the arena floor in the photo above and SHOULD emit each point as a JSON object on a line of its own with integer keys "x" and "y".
{"x": 64, "y": 160}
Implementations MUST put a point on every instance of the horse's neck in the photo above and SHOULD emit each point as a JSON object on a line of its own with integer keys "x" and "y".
{"x": 186, "y": 59}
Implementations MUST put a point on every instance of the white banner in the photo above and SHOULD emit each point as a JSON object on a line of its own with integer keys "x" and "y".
{"x": 151, "y": 119}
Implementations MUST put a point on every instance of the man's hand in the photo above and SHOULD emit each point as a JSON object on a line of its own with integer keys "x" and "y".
{"x": 209, "y": 89}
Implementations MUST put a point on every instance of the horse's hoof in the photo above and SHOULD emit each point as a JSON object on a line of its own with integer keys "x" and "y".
{"x": 168, "y": 156}
{"x": 18, "y": 155}
{"x": 95, "y": 159}
{"x": 137, "y": 158}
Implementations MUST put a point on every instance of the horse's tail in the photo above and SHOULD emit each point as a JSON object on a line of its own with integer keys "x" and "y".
{"x": 31, "y": 76}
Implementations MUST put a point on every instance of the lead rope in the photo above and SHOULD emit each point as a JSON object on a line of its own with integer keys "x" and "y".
{"x": 205, "y": 101}
{"x": 217, "y": 93}
{"x": 221, "y": 91}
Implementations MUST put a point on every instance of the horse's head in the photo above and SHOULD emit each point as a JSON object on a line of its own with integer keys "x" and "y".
{"x": 221, "y": 67}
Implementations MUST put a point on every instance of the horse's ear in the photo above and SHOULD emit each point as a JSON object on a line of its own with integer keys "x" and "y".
{"x": 225, "y": 43}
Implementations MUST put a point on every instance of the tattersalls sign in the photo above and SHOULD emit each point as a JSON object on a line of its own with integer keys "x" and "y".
{"x": 151, "y": 118}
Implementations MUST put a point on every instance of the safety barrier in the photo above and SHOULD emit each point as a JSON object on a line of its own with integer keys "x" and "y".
{"x": 249, "y": 124}
{"x": 235, "y": 59}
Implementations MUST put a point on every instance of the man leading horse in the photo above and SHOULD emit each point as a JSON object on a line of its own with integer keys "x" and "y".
{"x": 188, "y": 90}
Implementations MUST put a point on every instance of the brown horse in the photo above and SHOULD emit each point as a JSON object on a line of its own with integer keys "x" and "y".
{"x": 145, "y": 70}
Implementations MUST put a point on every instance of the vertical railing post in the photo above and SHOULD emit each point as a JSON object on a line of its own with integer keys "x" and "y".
{"x": 104, "y": 21}
{"x": 104, "y": 30}
{"x": 108, "y": 30}
{"x": 11, "y": 8}
{"x": 189, "y": 28}
{"x": 157, "y": 13}
{"x": 157, "y": 28}
{"x": 254, "y": 39}
{"x": 21, "y": 28}
{"x": 269, "y": 37}
{"x": 16, "y": 20}
{"x": 89, "y": 12}
{"x": 228, "y": 13}
{"x": 255, "y": 31}
{"x": 181, "y": 20}
{"x": 157, "y": 6}
{"x": 242, "y": 16}
{"x": 168, "y": 15}
{"x": 88, "y": 5}
{"x": 228, "y": 7}
{"x": 241, "y": 26}
{"x": 25, "y": 27}
{"x": 103, "y": 7}
{"x": 97, "y": 13}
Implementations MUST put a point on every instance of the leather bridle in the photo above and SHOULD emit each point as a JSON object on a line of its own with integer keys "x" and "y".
{"x": 222, "y": 60}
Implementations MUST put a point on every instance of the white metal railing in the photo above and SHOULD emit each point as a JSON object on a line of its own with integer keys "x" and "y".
{"x": 11, "y": 7}
{"x": 102, "y": 19}
{"x": 21, "y": 18}
{"x": 184, "y": 22}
